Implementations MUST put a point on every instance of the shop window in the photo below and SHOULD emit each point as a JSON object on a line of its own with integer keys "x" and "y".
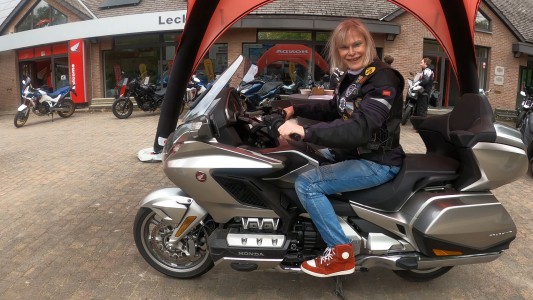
{"x": 118, "y": 3}
{"x": 42, "y": 15}
{"x": 136, "y": 40}
{"x": 214, "y": 63}
{"x": 483, "y": 23}
{"x": 322, "y": 36}
{"x": 284, "y": 35}
{"x": 140, "y": 63}
{"x": 299, "y": 63}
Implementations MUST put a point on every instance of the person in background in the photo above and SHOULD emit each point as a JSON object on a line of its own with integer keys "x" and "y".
{"x": 426, "y": 81}
{"x": 360, "y": 132}
{"x": 388, "y": 59}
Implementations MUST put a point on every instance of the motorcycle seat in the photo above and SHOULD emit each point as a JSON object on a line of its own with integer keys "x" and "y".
{"x": 417, "y": 172}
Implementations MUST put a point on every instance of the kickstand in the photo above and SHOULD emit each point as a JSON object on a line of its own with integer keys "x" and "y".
{"x": 338, "y": 288}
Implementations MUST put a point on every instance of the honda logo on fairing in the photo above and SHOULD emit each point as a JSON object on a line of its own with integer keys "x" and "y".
{"x": 201, "y": 176}
{"x": 251, "y": 254}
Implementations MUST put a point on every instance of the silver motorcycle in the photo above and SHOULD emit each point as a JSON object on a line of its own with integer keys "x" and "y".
{"x": 234, "y": 202}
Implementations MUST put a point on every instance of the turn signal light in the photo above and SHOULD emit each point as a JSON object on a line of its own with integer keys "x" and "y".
{"x": 185, "y": 224}
{"x": 440, "y": 252}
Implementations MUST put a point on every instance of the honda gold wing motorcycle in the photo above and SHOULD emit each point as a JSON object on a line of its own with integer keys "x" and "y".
{"x": 44, "y": 103}
{"x": 234, "y": 203}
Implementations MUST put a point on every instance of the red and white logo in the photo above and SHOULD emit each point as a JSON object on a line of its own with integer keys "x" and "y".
{"x": 201, "y": 176}
{"x": 75, "y": 47}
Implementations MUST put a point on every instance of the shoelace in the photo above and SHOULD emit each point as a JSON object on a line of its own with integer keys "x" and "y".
{"x": 328, "y": 255}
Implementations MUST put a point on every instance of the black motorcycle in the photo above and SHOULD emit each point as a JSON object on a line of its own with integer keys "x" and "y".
{"x": 147, "y": 96}
{"x": 524, "y": 121}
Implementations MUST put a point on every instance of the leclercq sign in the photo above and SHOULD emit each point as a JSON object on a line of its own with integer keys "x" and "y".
{"x": 172, "y": 20}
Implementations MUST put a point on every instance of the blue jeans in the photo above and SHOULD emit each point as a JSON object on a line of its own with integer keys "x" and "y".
{"x": 349, "y": 175}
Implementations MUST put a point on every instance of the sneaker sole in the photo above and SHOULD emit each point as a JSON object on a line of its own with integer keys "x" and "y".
{"x": 346, "y": 272}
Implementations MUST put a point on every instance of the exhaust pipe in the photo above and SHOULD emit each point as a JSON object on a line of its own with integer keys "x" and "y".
{"x": 411, "y": 262}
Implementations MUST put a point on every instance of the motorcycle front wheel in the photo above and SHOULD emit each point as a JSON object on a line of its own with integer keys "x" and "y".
{"x": 21, "y": 117}
{"x": 68, "y": 104}
{"x": 188, "y": 258}
{"x": 422, "y": 275}
{"x": 122, "y": 108}
{"x": 407, "y": 112}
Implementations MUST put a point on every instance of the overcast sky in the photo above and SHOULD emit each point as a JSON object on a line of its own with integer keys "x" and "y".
{"x": 6, "y": 6}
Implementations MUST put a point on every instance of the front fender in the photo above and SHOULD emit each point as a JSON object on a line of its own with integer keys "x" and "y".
{"x": 173, "y": 205}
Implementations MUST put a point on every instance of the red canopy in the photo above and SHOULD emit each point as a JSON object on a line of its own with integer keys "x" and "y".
{"x": 227, "y": 13}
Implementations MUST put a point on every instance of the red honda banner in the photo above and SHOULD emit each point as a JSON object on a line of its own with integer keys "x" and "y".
{"x": 77, "y": 69}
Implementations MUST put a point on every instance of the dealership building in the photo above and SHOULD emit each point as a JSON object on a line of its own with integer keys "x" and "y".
{"x": 92, "y": 43}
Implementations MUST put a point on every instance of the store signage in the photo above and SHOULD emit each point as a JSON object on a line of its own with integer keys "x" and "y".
{"x": 127, "y": 24}
{"x": 170, "y": 21}
{"x": 77, "y": 67}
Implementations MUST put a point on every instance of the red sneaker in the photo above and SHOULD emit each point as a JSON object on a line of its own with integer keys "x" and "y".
{"x": 335, "y": 261}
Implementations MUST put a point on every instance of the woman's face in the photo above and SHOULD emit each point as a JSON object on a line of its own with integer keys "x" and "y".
{"x": 352, "y": 50}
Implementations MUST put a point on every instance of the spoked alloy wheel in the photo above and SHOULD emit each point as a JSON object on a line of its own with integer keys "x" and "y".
{"x": 422, "y": 275}
{"x": 187, "y": 258}
{"x": 122, "y": 108}
{"x": 68, "y": 104}
{"x": 21, "y": 117}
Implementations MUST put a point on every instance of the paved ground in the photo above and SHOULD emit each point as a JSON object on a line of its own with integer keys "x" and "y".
{"x": 69, "y": 190}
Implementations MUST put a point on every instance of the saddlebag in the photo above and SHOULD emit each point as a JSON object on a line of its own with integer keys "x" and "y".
{"x": 462, "y": 225}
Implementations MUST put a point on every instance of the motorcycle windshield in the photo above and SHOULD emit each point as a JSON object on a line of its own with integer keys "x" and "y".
{"x": 209, "y": 99}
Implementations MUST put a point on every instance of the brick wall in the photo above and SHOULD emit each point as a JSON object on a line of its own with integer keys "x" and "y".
{"x": 407, "y": 50}
{"x": 9, "y": 84}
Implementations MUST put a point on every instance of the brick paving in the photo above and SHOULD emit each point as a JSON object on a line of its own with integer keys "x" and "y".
{"x": 69, "y": 193}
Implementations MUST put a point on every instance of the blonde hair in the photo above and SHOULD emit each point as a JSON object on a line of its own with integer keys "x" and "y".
{"x": 337, "y": 38}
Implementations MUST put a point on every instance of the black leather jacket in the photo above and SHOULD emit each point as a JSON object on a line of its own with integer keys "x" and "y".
{"x": 372, "y": 130}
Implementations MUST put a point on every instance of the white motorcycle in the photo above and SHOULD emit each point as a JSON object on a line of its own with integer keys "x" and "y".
{"x": 43, "y": 103}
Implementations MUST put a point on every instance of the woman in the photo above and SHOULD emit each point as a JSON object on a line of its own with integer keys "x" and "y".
{"x": 360, "y": 125}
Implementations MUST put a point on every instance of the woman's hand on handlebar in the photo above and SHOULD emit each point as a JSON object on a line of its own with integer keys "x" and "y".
{"x": 291, "y": 131}
{"x": 289, "y": 112}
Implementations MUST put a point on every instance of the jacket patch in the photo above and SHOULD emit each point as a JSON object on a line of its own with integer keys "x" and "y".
{"x": 386, "y": 93}
{"x": 369, "y": 70}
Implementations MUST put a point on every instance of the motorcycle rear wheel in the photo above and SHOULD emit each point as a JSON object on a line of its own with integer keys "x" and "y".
{"x": 67, "y": 103}
{"x": 422, "y": 275}
{"x": 151, "y": 234}
{"x": 21, "y": 117}
{"x": 407, "y": 112}
{"x": 122, "y": 108}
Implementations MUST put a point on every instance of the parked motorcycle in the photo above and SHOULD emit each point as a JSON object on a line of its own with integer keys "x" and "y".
{"x": 234, "y": 202}
{"x": 524, "y": 122}
{"x": 43, "y": 103}
{"x": 147, "y": 96}
{"x": 414, "y": 89}
{"x": 257, "y": 93}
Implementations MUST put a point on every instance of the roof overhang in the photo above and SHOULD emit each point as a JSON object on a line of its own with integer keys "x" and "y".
{"x": 520, "y": 47}
{"x": 309, "y": 23}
